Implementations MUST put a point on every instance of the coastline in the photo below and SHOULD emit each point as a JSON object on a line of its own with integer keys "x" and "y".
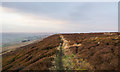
{"x": 16, "y": 46}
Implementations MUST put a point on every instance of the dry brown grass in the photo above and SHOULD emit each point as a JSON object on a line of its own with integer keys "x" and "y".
{"x": 36, "y": 56}
{"x": 99, "y": 49}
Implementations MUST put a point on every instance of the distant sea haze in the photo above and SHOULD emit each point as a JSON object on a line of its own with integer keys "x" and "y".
{"x": 12, "y": 38}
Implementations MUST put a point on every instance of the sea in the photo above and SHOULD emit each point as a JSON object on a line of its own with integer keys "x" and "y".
{"x": 8, "y": 39}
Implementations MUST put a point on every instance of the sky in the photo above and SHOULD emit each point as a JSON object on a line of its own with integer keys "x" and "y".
{"x": 59, "y": 16}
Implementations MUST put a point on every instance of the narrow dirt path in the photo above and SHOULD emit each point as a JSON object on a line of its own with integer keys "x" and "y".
{"x": 58, "y": 63}
{"x": 66, "y": 60}
{"x": 60, "y": 54}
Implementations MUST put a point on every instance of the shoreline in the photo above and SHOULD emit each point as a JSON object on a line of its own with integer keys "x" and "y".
{"x": 16, "y": 46}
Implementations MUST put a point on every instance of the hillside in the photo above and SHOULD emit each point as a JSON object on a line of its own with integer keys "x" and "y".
{"x": 84, "y": 51}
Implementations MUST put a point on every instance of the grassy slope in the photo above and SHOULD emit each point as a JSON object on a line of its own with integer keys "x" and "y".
{"x": 95, "y": 51}
{"x": 36, "y": 56}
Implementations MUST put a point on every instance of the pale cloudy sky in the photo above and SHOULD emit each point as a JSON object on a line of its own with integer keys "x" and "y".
{"x": 59, "y": 16}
